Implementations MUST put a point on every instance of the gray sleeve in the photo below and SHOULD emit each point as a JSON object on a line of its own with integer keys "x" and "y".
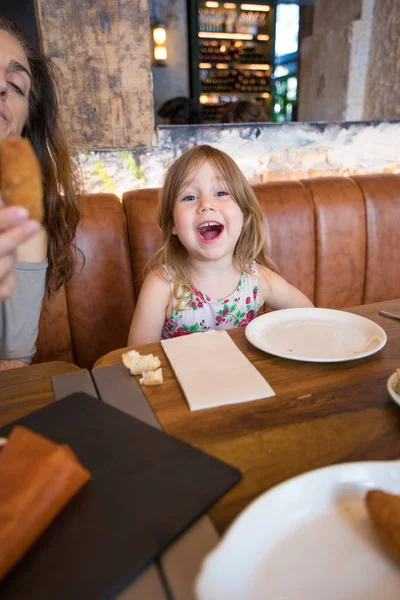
{"x": 19, "y": 316}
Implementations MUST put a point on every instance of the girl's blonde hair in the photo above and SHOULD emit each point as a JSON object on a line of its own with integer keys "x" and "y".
{"x": 250, "y": 245}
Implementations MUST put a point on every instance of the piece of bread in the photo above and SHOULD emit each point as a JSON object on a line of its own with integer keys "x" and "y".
{"x": 20, "y": 176}
{"x": 384, "y": 511}
{"x": 152, "y": 377}
{"x": 140, "y": 363}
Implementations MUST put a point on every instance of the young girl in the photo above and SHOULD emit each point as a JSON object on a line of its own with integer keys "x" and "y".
{"x": 212, "y": 271}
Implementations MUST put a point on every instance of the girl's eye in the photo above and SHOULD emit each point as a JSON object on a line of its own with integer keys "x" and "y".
{"x": 222, "y": 193}
{"x": 16, "y": 88}
{"x": 189, "y": 198}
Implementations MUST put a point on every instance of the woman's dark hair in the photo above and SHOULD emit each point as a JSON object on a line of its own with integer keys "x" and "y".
{"x": 60, "y": 178}
{"x": 180, "y": 111}
{"x": 244, "y": 112}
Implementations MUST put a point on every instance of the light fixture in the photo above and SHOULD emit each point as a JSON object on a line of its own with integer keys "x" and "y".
{"x": 160, "y": 48}
{"x": 255, "y": 67}
{"x": 225, "y": 36}
{"x": 259, "y": 7}
{"x": 212, "y": 4}
{"x": 160, "y": 53}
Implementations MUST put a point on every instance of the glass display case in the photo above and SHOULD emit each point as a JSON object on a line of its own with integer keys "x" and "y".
{"x": 231, "y": 54}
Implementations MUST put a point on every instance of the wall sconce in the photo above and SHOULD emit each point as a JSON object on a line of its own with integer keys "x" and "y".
{"x": 160, "y": 48}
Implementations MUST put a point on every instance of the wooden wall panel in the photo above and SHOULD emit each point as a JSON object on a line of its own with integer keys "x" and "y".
{"x": 103, "y": 50}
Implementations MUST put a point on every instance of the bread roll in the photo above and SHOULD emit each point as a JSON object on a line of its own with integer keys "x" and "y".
{"x": 152, "y": 377}
{"x": 20, "y": 176}
{"x": 140, "y": 363}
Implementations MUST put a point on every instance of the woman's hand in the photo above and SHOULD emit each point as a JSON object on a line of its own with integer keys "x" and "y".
{"x": 15, "y": 229}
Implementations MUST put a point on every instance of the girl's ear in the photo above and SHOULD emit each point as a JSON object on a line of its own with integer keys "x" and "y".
{"x": 173, "y": 230}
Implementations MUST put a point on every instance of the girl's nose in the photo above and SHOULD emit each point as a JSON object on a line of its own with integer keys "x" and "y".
{"x": 206, "y": 202}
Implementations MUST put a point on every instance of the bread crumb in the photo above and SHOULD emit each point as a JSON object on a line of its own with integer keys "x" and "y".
{"x": 152, "y": 377}
{"x": 140, "y": 363}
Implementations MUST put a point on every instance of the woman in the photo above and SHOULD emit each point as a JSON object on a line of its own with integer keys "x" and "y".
{"x": 29, "y": 108}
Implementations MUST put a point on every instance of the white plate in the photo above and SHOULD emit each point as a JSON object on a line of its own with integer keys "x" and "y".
{"x": 391, "y": 384}
{"x": 315, "y": 334}
{"x": 307, "y": 539}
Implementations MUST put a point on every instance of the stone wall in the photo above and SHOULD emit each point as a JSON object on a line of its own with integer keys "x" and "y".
{"x": 267, "y": 152}
{"x": 382, "y": 100}
{"x": 334, "y": 61}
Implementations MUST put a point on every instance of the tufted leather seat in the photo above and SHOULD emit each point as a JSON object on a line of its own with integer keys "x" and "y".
{"x": 337, "y": 239}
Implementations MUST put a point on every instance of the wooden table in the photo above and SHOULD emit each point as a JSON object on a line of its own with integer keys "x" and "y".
{"x": 322, "y": 414}
{"x": 27, "y": 389}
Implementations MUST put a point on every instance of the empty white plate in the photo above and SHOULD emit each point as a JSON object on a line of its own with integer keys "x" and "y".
{"x": 308, "y": 538}
{"x": 316, "y": 334}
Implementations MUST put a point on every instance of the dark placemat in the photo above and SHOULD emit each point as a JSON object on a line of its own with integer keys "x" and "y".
{"x": 146, "y": 489}
{"x": 117, "y": 387}
{"x": 69, "y": 383}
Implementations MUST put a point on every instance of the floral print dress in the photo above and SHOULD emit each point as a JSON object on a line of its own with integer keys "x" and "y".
{"x": 202, "y": 313}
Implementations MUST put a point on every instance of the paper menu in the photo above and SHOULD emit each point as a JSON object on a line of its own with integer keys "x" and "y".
{"x": 212, "y": 371}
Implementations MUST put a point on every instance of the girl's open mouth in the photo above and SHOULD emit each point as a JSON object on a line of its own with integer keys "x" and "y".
{"x": 209, "y": 230}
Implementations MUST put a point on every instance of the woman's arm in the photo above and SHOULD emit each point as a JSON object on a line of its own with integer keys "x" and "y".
{"x": 20, "y": 239}
{"x": 35, "y": 249}
{"x": 15, "y": 229}
{"x": 278, "y": 293}
{"x": 20, "y": 314}
{"x": 149, "y": 316}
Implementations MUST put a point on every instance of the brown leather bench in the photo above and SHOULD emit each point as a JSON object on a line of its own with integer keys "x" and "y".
{"x": 337, "y": 239}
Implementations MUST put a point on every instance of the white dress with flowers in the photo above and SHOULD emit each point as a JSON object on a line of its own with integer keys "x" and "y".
{"x": 202, "y": 313}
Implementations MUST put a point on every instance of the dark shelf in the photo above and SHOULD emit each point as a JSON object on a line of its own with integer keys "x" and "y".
{"x": 258, "y": 23}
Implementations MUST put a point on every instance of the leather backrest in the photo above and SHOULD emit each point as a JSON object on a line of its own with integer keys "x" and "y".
{"x": 144, "y": 233}
{"x": 382, "y": 206}
{"x": 337, "y": 239}
{"x": 289, "y": 200}
{"x": 290, "y": 239}
{"x": 289, "y": 221}
{"x": 91, "y": 315}
{"x": 340, "y": 241}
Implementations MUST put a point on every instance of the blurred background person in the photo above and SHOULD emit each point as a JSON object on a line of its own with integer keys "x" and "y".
{"x": 179, "y": 111}
{"x": 244, "y": 112}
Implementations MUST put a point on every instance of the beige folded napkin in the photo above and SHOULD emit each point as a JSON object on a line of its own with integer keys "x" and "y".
{"x": 37, "y": 479}
{"x": 212, "y": 371}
